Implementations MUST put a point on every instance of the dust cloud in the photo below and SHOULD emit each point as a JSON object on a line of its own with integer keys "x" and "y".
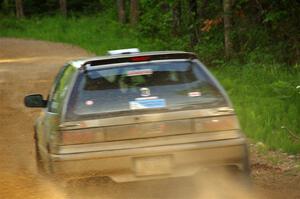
{"x": 222, "y": 185}
{"x": 26, "y": 185}
{"x": 207, "y": 185}
{"x": 26, "y": 66}
{"x": 211, "y": 185}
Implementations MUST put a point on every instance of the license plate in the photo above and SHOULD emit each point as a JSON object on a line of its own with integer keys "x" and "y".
{"x": 158, "y": 165}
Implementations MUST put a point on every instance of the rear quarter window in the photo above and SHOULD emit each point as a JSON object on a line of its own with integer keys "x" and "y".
{"x": 61, "y": 87}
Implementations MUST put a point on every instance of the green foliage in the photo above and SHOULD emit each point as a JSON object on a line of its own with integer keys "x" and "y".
{"x": 156, "y": 22}
{"x": 263, "y": 31}
{"x": 265, "y": 27}
{"x": 271, "y": 27}
{"x": 211, "y": 48}
{"x": 7, "y": 8}
{"x": 51, "y": 7}
{"x": 266, "y": 98}
{"x": 96, "y": 34}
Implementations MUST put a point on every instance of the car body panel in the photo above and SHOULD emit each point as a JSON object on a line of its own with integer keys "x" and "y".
{"x": 124, "y": 147}
{"x": 154, "y": 117}
{"x": 188, "y": 159}
{"x": 149, "y": 142}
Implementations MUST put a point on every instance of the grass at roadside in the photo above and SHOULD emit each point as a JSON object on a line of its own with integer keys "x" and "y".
{"x": 95, "y": 34}
{"x": 267, "y": 101}
{"x": 264, "y": 95}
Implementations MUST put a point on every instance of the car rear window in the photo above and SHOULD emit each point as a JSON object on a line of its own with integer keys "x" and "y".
{"x": 140, "y": 88}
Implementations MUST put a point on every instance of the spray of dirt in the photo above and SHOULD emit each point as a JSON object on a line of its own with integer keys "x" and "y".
{"x": 212, "y": 185}
{"x": 27, "y": 185}
{"x": 25, "y": 67}
{"x": 222, "y": 185}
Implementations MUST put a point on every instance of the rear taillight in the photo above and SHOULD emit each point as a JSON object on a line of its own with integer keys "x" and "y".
{"x": 82, "y": 136}
{"x": 221, "y": 123}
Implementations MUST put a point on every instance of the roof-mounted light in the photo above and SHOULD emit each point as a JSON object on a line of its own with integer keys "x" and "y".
{"x": 123, "y": 51}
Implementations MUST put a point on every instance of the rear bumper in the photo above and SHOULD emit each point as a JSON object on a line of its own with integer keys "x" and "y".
{"x": 120, "y": 165}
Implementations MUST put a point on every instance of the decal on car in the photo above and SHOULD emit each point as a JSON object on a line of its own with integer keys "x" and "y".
{"x": 145, "y": 92}
{"x": 147, "y": 103}
{"x": 194, "y": 94}
{"x": 139, "y": 72}
{"x": 89, "y": 102}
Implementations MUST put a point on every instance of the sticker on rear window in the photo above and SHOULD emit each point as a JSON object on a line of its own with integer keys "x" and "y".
{"x": 89, "y": 102}
{"x": 194, "y": 94}
{"x": 139, "y": 72}
{"x": 146, "y": 98}
{"x": 147, "y": 103}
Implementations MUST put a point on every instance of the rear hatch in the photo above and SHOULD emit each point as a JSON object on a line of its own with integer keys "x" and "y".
{"x": 148, "y": 103}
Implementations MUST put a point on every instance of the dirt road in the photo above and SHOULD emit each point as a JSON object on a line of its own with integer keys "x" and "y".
{"x": 25, "y": 67}
{"x": 29, "y": 67}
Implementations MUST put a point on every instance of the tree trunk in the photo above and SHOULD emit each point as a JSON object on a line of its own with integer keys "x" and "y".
{"x": 176, "y": 11}
{"x": 121, "y": 11}
{"x": 63, "y": 7}
{"x": 194, "y": 22}
{"x": 227, "y": 6}
{"x": 134, "y": 12}
{"x": 19, "y": 9}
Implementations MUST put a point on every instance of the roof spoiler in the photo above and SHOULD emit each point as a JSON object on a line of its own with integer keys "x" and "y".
{"x": 129, "y": 58}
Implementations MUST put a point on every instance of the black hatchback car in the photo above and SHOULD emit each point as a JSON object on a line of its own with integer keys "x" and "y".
{"x": 135, "y": 116}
